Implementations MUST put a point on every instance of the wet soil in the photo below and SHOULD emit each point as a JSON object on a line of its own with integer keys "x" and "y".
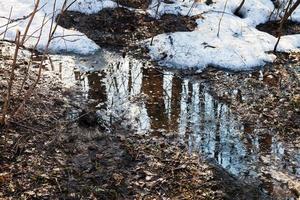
{"x": 271, "y": 27}
{"x": 48, "y": 154}
{"x": 221, "y": 116}
{"x": 122, "y": 27}
{"x": 142, "y": 4}
{"x": 274, "y": 97}
{"x": 267, "y": 103}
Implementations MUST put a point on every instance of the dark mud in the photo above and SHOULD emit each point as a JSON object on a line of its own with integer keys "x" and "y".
{"x": 271, "y": 27}
{"x": 122, "y": 28}
{"x": 142, "y": 4}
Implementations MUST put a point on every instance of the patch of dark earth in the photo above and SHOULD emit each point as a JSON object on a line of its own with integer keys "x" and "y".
{"x": 122, "y": 27}
{"x": 141, "y": 4}
{"x": 271, "y": 27}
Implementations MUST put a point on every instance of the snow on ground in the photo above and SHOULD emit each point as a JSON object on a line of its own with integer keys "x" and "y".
{"x": 238, "y": 46}
{"x": 65, "y": 40}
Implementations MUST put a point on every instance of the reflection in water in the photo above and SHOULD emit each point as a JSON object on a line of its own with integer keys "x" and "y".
{"x": 161, "y": 102}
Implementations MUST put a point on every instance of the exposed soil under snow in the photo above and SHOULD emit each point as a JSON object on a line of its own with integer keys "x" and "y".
{"x": 271, "y": 27}
{"x": 123, "y": 27}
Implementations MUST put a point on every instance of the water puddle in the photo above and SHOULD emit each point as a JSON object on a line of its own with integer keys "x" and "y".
{"x": 157, "y": 101}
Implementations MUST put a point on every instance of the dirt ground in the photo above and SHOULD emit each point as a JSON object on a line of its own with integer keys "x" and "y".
{"x": 121, "y": 27}
{"x": 142, "y": 4}
{"x": 272, "y": 27}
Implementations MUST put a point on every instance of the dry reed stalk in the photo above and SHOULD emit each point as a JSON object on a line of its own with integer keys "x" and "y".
{"x": 11, "y": 80}
{"x": 52, "y": 31}
{"x": 35, "y": 10}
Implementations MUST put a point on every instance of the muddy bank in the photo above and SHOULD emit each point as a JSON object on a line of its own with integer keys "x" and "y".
{"x": 268, "y": 97}
{"x": 28, "y": 161}
{"x": 121, "y": 27}
{"x": 267, "y": 103}
{"x": 131, "y": 166}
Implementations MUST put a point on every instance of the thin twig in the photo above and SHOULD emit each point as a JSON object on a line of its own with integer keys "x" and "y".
{"x": 8, "y": 20}
{"x": 32, "y": 53}
{"x": 52, "y": 31}
{"x": 156, "y": 14}
{"x": 36, "y": 6}
{"x": 283, "y": 20}
{"x": 219, "y": 25}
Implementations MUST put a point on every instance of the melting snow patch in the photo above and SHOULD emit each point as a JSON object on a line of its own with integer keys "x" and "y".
{"x": 65, "y": 40}
{"x": 238, "y": 46}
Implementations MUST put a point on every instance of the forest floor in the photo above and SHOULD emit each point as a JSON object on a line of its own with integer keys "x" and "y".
{"x": 47, "y": 155}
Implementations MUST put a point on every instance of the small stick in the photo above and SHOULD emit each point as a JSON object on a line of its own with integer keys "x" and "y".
{"x": 191, "y": 8}
{"x": 31, "y": 56}
{"x": 41, "y": 64}
{"x": 156, "y": 13}
{"x": 219, "y": 25}
{"x": 8, "y": 21}
{"x": 283, "y": 20}
{"x": 35, "y": 10}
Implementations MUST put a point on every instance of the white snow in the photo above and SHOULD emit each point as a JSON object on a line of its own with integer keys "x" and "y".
{"x": 239, "y": 45}
{"x": 65, "y": 40}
